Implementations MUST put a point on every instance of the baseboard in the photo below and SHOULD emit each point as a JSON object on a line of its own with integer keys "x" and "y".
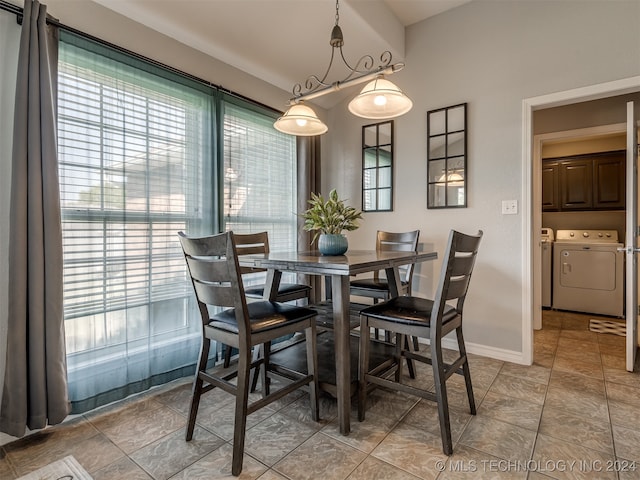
{"x": 483, "y": 350}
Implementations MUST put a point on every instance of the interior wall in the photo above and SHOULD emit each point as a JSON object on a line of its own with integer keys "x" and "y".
{"x": 492, "y": 55}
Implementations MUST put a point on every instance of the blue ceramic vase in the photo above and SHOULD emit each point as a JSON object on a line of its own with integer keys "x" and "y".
{"x": 332, "y": 244}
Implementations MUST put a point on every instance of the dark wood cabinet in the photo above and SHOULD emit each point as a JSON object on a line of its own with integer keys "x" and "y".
{"x": 609, "y": 186}
{"x": 586, "y": 182}
{"x": 576, "y": 184}
{"x": 550, "y": 186}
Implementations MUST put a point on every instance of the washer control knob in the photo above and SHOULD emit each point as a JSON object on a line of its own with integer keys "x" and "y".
{"x": 585, "y": 234}
{"x": 571, "y": 234}
{"x": 600, "y": 234}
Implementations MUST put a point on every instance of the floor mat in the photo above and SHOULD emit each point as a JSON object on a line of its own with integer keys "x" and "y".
{"x": 616, "y": 327}
{"x": 66, "y": 469}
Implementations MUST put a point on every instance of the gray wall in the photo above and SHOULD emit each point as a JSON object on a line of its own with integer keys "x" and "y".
{"x": 491, "y": 54}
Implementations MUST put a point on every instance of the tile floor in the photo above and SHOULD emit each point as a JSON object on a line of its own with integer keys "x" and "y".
{"x": 575, "y": 413}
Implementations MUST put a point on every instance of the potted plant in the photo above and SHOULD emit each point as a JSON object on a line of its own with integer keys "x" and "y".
{"x": 329, "y": 219}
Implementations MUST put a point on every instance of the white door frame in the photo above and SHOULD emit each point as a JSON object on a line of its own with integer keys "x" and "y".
{"x": 532, "y": 186}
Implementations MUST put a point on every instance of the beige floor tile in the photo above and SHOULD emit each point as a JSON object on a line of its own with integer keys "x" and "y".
{"x": 520, "y": 388}
{"x": 500, "y": 439}
{"x": 624, "y": 415}
{"x": 573, "y": 344}
{"x": 623, "y": 393}
{"x": 577, "y": 402}
{"x": 534, "y": 373}
{"x": 627, "y": 443}
{"x": 615, "y": 375}
{"x": 572, "y": 365}
{"x": 424, "y": 416}
{"x": 144, "y": 428}
{"x": 413, "y": 450}
{"x": 320, "y": 457}
{"x": 6, "y": 471}
{"x": 124, "y": 468}
{"x": 374, "y": 468}
{"x": 220, "y": 419}
{"x": 585, "y": 430}
{"x": 511, "y": 410}
{"x": 172, "y": 453}
{"x": 271, "y": 475}
{"x": 563, "y": 460}
{"x": 275, "y": 437}
{"x": 578, "y": 383}
{"x": 587, "y": 356}
{"x": 468, "y": 463}
{"x": 217, "y": 465}
{"x": 617, "y": 362}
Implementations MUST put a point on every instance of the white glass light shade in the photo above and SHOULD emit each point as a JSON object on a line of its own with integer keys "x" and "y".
{"x": 300, "y": 120}
{"x": 453, "y": 180}
{"x": 380, "y": 99}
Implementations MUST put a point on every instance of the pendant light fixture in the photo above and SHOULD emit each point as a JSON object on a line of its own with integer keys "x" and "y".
{"x": 379, "y": 99}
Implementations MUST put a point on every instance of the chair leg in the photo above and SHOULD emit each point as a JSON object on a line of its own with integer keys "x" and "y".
{"x": 466, "y": 371}
{"x": 197, "y": 387}
{"x": 437, "y": 363}
{"x": 410, "y": 364}
{"x": 400, "y": 338}
{"x": 363, "y": 366}
{"x": 227, "y": 356}
{"x": 240, "y": 422}
{"x": 312, "y": 368}
{"x": 264, "y": 374}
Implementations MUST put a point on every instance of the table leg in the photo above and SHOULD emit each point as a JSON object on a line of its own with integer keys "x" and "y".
{"x": 340, "y": 292}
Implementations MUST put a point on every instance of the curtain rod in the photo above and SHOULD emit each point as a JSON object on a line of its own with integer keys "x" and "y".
{"x": 19, "y": 11}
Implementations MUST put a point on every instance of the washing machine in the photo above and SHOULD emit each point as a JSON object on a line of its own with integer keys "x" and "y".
{"x": 546, "y": 257}
{"x": 588, "y": 272}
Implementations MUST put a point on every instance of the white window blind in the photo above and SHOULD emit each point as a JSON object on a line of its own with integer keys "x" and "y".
{"x": 259, "y": 176}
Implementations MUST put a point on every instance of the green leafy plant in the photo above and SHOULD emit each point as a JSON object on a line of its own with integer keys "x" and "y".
{"x": 331, "y": 216}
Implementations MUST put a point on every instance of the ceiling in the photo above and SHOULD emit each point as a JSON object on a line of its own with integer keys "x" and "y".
{"x": 284, "y": 41}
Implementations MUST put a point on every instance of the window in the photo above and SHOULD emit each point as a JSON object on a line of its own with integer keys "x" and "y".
{"x": 138, "y": 163}
{"x": 259, "y": 175}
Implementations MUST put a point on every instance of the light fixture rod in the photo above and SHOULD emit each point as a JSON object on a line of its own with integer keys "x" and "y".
{"x": 334, "y": 87}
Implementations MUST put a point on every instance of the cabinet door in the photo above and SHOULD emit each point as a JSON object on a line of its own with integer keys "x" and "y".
{"x": 609, "y": 182}
{"x": 576, "y": 177}
{"x": 550, "y": 186}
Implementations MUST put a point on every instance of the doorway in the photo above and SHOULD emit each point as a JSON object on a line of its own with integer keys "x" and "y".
{"x": 532, "y": 187}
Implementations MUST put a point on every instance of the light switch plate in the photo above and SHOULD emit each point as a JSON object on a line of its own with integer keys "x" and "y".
{"x": 509, "y": 207}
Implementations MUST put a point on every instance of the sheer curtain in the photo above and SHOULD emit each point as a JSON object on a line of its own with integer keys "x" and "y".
{"x": 138, "y": 163}
{"x": 136, "y": 167}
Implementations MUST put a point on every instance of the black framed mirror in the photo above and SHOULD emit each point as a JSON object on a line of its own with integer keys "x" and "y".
{"x": 377, "y": 167}
{"x": 447, "y": 157}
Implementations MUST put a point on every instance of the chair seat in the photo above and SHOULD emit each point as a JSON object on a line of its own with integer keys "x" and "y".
{"x": 263, "y": 316}
{"x": 408, "y": 311}
{"x": 372, "y": 284}
{"x": 283, "y": 289}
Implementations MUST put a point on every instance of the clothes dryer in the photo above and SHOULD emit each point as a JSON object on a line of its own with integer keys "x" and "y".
{"x": 588, "y": 272}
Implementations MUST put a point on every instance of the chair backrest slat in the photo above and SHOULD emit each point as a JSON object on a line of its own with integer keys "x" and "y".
{"x": 457, "y": 267}
{"x": 251, "y": 244}
{"x": 399, "y": 242}
{"x": 215, "y": 274}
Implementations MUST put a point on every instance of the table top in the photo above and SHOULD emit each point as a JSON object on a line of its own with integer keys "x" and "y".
{"x": 351, "y": 263}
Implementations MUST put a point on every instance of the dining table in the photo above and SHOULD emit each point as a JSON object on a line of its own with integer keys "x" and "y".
{"x": 338, "y": 270}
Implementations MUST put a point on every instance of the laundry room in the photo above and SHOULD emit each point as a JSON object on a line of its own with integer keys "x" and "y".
{"x": 582, "y": 161}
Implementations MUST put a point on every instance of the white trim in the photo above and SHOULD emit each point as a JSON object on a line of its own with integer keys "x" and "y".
{"x": 482, "y": 350}
{"x": 529, "y": 218}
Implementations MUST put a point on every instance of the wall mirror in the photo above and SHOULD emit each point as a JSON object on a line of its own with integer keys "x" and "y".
{"x": 447, "y": 157}
{"x": 377, "y": 167}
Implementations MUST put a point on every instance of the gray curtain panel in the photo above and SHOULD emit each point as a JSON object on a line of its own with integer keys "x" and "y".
{"x": 308, "y": 150}
{"x": 35, "y": 383}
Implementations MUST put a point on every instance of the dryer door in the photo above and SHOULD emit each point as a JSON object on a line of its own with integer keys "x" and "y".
{"x": 587, "y": 268}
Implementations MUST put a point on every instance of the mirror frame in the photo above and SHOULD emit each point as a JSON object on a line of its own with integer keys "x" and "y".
{"x": 377, "y": 147}
{"x": 443, "y": 161}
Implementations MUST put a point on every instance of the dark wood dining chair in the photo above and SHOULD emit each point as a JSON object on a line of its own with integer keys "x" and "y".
{"x": 258, "y": 243}
{"x": 216, "y": 277}
{"x": 377, "y": 287}
{"x": 431, "y": 319}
